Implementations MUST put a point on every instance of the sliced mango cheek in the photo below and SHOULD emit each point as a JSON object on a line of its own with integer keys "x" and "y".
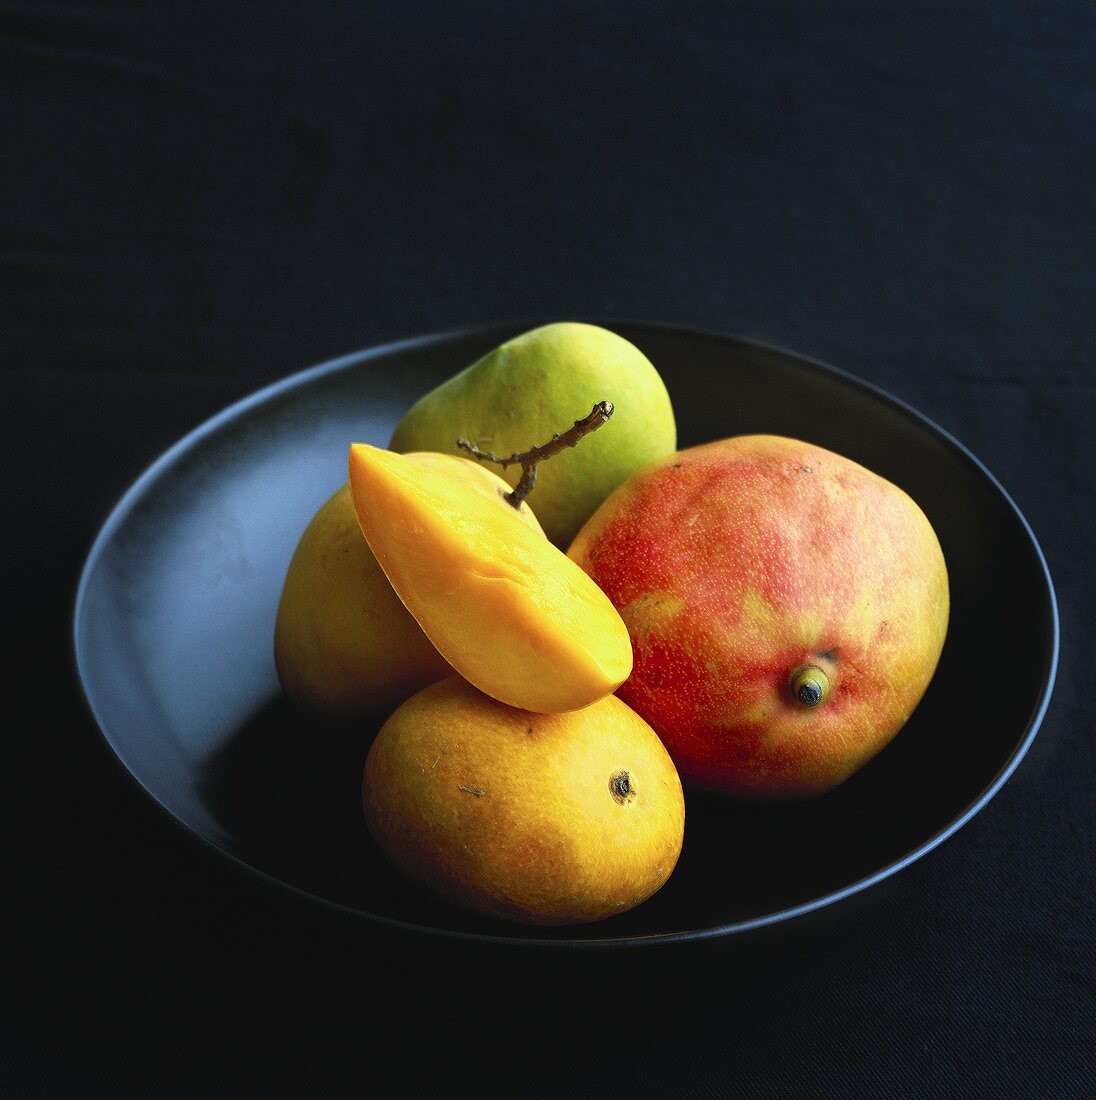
{"x": 510, "y": 612}
{"x": 476, "y": 477}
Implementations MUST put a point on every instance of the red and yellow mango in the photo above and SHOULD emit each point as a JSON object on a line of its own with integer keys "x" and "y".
{"x": 786, "y": 607}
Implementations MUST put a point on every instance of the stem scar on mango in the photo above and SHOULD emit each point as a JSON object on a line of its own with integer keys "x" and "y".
{"x": 621, "y": 787}
{"x": 809, "y": 685}
{"x": 529, "y": 460}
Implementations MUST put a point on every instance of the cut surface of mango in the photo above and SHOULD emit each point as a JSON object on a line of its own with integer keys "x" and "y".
{"x": 508, "y": 610}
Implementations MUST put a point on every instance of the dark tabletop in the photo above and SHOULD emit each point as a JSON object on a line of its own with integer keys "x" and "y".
{"x": 197, "y": 199}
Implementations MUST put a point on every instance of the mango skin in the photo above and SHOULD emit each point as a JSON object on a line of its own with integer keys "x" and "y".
{"x": 514, "y": 814}
{"x": 344, "y": 644}
{"x": 535, "y": 386}
{"x": 736, "y": 562}
{"x": 507, "y": 609}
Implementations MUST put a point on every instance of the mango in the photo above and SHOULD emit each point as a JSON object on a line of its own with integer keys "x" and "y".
{"x": 344, "y": 644}
{"x": 510, "y": 612}
{"x": 787, "y": 608}
{"x": 545, "y": 819}
{"x": 522, "y": 392}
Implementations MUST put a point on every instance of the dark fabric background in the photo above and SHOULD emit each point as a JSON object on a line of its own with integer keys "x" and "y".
{"x": 196, "y": 199}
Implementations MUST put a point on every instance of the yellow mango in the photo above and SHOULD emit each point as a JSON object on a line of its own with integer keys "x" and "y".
{"x": 542, "y": 818}
{"x": 344, "y": 644}
{"x": 508, "y": 610}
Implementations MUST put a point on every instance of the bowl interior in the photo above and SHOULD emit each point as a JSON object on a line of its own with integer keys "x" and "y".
{"x": 176, "y": 612}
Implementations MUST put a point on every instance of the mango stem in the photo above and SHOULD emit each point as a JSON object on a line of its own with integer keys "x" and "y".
{"x": 809, "y": 685}
{"x": 529, "y": 460}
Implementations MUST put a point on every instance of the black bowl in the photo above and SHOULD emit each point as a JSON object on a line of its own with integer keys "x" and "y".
{"x": 175, "y": 614}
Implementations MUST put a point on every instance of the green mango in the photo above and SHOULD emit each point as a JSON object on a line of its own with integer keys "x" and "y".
{"x": 535, "y": 386}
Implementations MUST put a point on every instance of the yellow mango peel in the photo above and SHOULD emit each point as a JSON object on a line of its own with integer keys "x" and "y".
{"x": 509, "y": 611}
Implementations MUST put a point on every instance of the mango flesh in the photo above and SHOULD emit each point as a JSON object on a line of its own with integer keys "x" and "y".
{"x": 535, "y": 386}
{"x": 344, "y": 644}
{"x": 545, "y": 819}
{"x": 738, "y": 562}
{"x": 510, "y": 612}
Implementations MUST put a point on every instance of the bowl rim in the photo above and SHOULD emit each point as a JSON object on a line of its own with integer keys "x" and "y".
{"x": 497, "y": 330}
